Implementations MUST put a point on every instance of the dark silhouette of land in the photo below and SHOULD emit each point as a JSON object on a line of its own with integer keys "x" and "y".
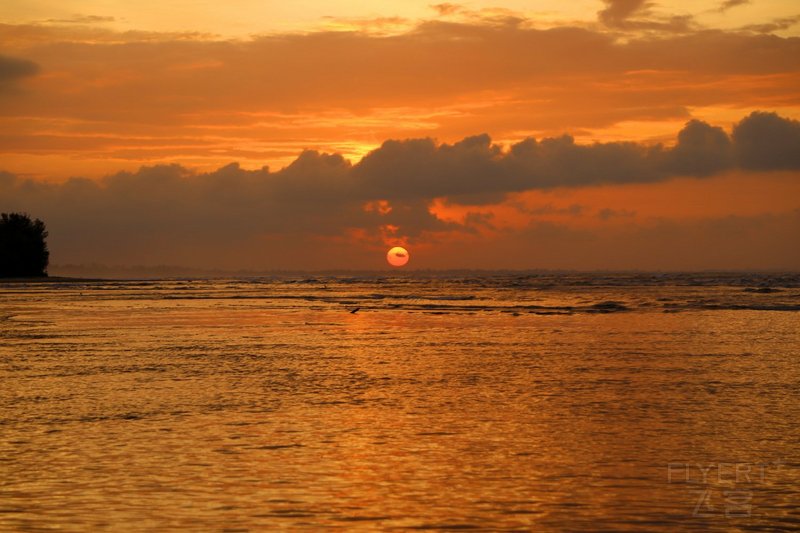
{"x": 53, "y": 279}
{"x": 23, "y": 247}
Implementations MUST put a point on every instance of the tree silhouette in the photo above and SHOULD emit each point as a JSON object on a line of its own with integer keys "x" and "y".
{"x": 23, "y": 250}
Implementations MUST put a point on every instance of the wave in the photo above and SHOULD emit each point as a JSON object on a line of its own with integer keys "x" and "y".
{"x": 536, "y": 293}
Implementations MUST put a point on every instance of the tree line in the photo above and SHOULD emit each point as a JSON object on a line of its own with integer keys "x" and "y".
{"x": 23, "y": 246}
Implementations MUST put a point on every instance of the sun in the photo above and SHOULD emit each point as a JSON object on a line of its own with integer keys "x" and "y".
{"x": 397, "y": 256}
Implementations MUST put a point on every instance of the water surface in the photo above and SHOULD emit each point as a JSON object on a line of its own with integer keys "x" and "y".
{"x": 494, "y": 402}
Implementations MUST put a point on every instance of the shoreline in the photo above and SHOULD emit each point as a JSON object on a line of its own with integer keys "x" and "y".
{"x": 51, "y": 279}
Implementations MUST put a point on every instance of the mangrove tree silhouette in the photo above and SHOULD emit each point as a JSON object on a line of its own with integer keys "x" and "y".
{"x": 23, "y": 246}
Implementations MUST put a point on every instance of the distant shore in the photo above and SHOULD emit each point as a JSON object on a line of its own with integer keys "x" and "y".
{"x": 49, "y": 279}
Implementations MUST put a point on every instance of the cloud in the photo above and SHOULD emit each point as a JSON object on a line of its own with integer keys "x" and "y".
{"x": 779, "y": 24}
{"x": 730, "y": 4}
{"x": 434, "y": 63}
{"x": 637, "y": 15}
{"x": 13, "y": 69}
{"x": 446, "y": 8}
{"x": 720, "y": 243}
{"x": 608, "y": 213}
{"x": 82, "y": 19}
{"x": 168, "y": 211}
{"x": 766, "y": 141}
{"x": 149, "y": 98}
{"x": 618, "y": 12}
{"x": 476, "y": 171}
{"x": 701, "y": 150}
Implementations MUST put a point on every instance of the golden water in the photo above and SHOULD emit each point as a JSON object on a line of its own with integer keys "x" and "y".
{"x": 236, "y": 405}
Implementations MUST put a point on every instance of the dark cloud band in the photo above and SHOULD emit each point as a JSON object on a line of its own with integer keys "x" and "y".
{"x": 323, "y": 194}
{"x": 12, "y": 69}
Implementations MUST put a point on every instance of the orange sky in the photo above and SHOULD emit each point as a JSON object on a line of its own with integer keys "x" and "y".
{"x": 89, "y": 89}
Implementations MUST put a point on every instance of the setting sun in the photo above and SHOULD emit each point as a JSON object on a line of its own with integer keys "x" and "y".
{"x": 397, "y": 256}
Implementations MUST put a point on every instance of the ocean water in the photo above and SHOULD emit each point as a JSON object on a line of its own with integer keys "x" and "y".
{"x": 497, "y": 402}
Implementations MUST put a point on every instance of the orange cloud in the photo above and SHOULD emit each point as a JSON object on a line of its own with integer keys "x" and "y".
{"x": 107, "y": 99}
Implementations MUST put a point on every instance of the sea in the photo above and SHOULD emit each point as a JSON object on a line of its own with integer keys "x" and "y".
{"x": 419, "y": 401}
